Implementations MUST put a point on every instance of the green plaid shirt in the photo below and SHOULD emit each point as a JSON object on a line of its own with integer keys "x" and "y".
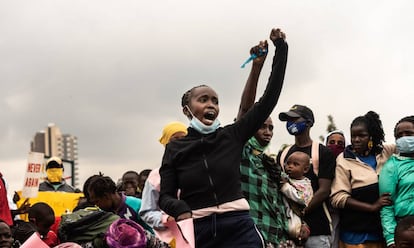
{"x": 260, "y": 187}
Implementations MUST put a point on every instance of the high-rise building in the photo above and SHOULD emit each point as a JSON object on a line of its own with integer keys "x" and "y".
{"x": 52, "y": 142}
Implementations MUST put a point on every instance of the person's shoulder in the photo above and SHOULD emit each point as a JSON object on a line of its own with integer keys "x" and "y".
{"x": 325, "y": 151}
{"x": 67, "y": 188}
{"x": 323, "y": 148}
{"x": 132, "y": 200}
{"x": 398, "y": 163}
{"x": 45, "y": 186}
{"x": 388, "y": 149}
{"x": 392, "y": 161}
{"x": 293, "y": 148}
{"x": 178, "y": 144}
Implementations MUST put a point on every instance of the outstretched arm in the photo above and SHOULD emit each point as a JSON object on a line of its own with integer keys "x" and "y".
{"x": 249, "y": 91}
{"x": 260, "y": 111}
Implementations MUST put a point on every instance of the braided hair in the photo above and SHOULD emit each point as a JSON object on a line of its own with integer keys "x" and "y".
{"x": 86, "y": 185}
{"x": 101, "y": 185}
{"x": 405, "y": 119}
{"x": 373, "y": 124}
{"x": 185, "y": 99}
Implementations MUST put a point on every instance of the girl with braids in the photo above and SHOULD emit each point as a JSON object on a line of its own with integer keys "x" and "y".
{"x": 397, "y": 179}
{"x": 355, "y": 187}
{"x": 103, "y": 193}
{"x": 205, "y": 165}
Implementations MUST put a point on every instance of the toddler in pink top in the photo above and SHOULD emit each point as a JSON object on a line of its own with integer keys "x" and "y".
{"x": 297, "y": 191}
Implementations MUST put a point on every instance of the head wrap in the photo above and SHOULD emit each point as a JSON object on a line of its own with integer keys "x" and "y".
{"x": 333, "y": 132}
{"x": 170, "y": 129}
{"x": 335, "y": 148}
{"x": 124, "y": 233}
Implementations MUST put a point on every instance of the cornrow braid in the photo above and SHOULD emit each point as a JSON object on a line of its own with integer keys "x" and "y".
{"x": 101, "y": 185}
{"x": 373, "y": 124}
{"x": 185, "y": 99}
{"x": 405, "y": 119}
{"x": 86, "y": 185}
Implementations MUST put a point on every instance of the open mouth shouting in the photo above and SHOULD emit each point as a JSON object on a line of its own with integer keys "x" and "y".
{"x": 209, "y": 117}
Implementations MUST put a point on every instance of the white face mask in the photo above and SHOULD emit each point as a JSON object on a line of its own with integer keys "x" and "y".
{"x": 200, "y": 126}
{"x": 405, "y": 144}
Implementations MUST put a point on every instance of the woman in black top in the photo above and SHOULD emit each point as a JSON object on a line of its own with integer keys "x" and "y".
{"x": 205, "y": 165}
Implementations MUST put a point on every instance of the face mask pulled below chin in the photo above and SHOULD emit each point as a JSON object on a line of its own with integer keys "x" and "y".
{"x": 295, "y": 128}
{"x": 405, "y": 144}
{"x": 201, "y": 127}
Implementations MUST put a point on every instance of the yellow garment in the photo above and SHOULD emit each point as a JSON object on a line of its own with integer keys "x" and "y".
{"x": 54, "y": 175}
{"x": 60, "y": 202}
{"x": 170, "y": 129}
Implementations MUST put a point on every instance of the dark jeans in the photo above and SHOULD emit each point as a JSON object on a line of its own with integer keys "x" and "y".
{"x": 227, "y": 230}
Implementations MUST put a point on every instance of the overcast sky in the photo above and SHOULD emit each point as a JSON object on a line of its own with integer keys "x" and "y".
{"x": 112, "y": 73}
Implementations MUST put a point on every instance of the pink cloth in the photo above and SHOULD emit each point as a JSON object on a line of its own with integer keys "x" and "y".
{"x": 34, "y": 241}
{"x": 184, "y": 238}
{"x": 68, "y": 245}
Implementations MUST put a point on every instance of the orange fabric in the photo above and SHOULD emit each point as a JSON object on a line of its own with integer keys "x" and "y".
{"x": 364, "y": 245}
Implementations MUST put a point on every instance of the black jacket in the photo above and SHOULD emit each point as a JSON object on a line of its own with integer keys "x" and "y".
{"x": 206, "y": 168}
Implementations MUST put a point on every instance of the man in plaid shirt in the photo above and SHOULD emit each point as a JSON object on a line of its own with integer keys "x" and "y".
{"x": 260, "y": 175}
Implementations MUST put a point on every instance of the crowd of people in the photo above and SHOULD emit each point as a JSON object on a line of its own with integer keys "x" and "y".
{"x": 346, "y": 193}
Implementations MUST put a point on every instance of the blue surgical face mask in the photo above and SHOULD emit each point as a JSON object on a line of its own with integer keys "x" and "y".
{"x": 405, "y": 144}
{"x": 201, "y": 127}
{"x": 296, "y": 128}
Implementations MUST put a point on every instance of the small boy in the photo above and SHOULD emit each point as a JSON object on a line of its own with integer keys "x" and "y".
{"x": 404, "y": 232}
{"x": 43, "y": 217}
{"x": 297, "y": 191}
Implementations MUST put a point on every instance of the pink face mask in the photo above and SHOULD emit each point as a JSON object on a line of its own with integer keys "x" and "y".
{"x": 336, "y": 149}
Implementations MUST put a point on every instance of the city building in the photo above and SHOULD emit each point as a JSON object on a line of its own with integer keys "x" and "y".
{"x": 52, "y": 142}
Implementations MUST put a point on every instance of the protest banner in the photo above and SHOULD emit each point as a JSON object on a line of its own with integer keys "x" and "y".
{"x": 33, "y": 177}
